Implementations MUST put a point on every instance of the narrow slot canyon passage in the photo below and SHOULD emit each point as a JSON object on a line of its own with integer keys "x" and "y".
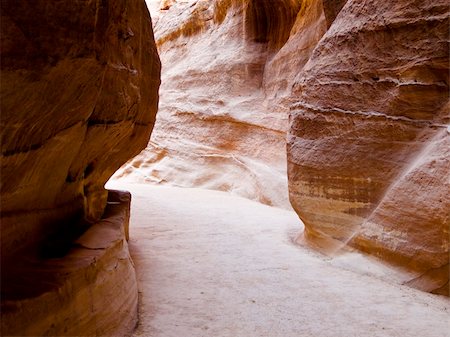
{"x": 212, "y": 264}
{"x": 225, "y": 168}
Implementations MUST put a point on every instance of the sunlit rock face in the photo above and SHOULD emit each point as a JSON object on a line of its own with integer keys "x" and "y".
{"x": 368, "y": 143}
{"x": 218, "y": 127}
{"x": 79, "y": 93}
{"x": 366, "y": 88}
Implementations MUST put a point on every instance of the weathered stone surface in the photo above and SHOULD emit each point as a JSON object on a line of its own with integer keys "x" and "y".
{"x": 282, "y": 69}
{"x": 91, "y": 291}
{"x": 331, "y": 9}
{"x": 216, "y": 127}
{"x": 368, "y": 145}
{"x": 79, "y": 94}
{"x": 367, "y": 86}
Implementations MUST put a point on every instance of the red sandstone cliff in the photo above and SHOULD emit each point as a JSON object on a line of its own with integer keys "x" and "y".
{"x": 217, "y": 127}
{"x": 79, "y": 94}
{"x": 366, "y": 87}
{"x": 368, "y": 144}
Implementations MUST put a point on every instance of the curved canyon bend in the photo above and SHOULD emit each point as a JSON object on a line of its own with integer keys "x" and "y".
{"x": 225, "y": 168}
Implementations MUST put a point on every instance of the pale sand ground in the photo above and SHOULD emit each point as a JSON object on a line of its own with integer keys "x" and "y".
{"x": 212, "y": 264}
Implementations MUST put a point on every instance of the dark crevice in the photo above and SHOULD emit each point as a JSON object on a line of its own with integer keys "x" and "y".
{"x": 31, "y": 147}
{"x": 331, "y": 9}
{"x": 60, "y": 242}
{"x": 89, "y": 169}
{"x": 270, "y": 21}
{"x": 97, "y": 122}
{"x": 94, "y": 122}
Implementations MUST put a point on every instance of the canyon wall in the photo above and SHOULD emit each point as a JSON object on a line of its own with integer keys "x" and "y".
{"x": 217, "y": 128}
{"x": 228, "y": 70}
{"x": 369, "y": 145}
{"x": 365, "y": 87}
{"x": 79, "y": 94}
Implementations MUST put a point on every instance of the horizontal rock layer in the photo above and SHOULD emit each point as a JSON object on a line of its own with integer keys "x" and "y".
{"x": 90, "y": 291}
{"x": 78, "y": 97}
{"x": 217, "y": 127}
{"x": 368, "y": 144}
{"x": 366, "y": 86}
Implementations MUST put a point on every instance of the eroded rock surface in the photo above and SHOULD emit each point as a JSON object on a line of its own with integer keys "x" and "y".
{"x": 73, "y": 106}
{"x": 79, "y": 94}
{"x": 90, "y": 291}
{"x": 221, "y": 124}
{"x": 368, "y": 144}
{"x": 367, "y": 84}
{"x": 366, "y": 87}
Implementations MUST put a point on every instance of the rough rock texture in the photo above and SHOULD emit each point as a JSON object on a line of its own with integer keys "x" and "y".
{"x": 221, "y": 125}
{"x": 73, "y": 106}
{"x": 91, "y": 291}
{"x": 79, "y": 93}
{"x": 366, "y": 86}
{"x": 368, "y": 144}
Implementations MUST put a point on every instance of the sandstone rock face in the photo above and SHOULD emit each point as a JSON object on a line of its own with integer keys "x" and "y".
{"x": 73, "y": 107}
{"x": 91, "y": 291}
{"x": 368, "y": 144}
{"x": 366, "y": 87}
{"x": 79, "y": 94}
{"x": 221, "y": 123}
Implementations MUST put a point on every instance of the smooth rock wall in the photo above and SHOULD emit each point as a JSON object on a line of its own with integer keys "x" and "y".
{"x": 365, "y": 87}
{"x": 90, "y": 291}
{"x": 78, "y": 94}
{"x": 368, "y": 144}
{"x": 216, "y": 127}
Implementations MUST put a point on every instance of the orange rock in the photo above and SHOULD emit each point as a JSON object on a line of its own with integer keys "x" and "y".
{"x": 79, "y": 95}
{"x": 89, "y": 291}
{"x": 217, "y": 127}
{"x": 368, "y": 146}
{"x": 366, "y": 85}
{"x": 166, "y": 4}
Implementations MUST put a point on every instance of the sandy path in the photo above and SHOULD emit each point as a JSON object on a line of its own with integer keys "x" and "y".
{"x": 211, "y": 264}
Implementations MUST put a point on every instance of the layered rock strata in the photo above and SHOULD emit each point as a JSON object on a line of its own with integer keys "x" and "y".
{"x": 368, "y": 144}
{"x": 79, "y": 94}
{"x": 229, "y": 66}
{"x": 217, "y": 127}
{"x": 90, "y": 291}
{"x": 366, "y": 87}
